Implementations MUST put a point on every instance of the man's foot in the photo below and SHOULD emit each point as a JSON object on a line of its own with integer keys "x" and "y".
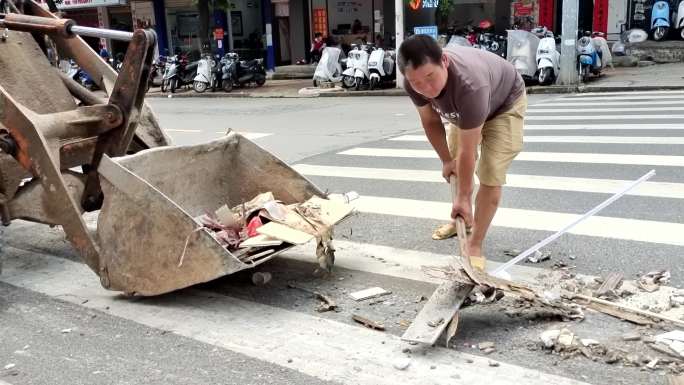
{"x": 446, "y": 231}
{"x": 478, "y": 262}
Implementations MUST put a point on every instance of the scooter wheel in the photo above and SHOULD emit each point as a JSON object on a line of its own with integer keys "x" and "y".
{"x": 260, "y": 80}
{"x": 359, "y": 83}
{"x": 173, "y": 85}
{"x": 659, "y": 33}
{"x": 348, "y": 81}
{"x": 227, "y": 85}
{"x": 315, "y": 83}
{"x": 374, "y": 83}
{"x": 681, "y": 33}
{"x": 199, "y": 87}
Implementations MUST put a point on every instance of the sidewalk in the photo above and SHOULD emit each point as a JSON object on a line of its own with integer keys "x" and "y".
{"x": 620, "y": 79}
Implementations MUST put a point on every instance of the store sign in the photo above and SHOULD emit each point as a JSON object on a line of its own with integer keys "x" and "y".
{"x": 430, "y": 30}
{"x": 423, "y": 4}
{"x": 72, "y": 4}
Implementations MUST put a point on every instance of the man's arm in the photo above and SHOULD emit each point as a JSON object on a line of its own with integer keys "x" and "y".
{"x": 466, "y": 159}
{"x": 434, "y": 130}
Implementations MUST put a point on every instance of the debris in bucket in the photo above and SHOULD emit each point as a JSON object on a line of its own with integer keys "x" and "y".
{"x": 267, "y": 223}
{"x": 651, "y": 282}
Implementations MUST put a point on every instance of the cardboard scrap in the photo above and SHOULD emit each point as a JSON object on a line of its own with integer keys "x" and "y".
{"x": 261, "y": 241}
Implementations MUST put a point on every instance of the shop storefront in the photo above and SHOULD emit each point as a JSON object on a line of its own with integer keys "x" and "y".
{"x": 348, "y": 22}
{"x": 183, "y": 28}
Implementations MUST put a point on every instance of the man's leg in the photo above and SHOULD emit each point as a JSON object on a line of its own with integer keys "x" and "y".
{"x": 486, "y": 204}
{"x": 502, "y": 140}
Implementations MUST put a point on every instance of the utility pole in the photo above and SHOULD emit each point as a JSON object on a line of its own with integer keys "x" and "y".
{"x": 399, "y": 34}
{"x": 568, "y": 61}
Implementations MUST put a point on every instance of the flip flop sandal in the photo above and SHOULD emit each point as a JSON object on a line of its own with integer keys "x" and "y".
{"x": 446, "y": 231}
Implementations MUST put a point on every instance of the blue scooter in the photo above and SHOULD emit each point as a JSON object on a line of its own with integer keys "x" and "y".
{"x": 660, "y": 19}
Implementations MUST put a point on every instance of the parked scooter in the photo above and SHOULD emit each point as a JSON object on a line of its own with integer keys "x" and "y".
{"x": 179, "y": 73}
{"x": 548, "y": 57}
{"x": 381, "y": 67}
{"x": 522, "y": 52}
{"x": 660, "y": 19}
{"x": 205, "y": 74}
{"x": 238, "y": 73}
{"x": 157, "y": 72}
{"x": 589, "y": 58}
{"x": 329, "y": 68}
{"x": 680, "y": 19}
{"x": 356, "y": 75}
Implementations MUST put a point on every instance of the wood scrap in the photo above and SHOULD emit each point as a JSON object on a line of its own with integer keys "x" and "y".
{"x": 368, "y": 323}
{"x": 662, "y": 348}
{"x": 617, "y": 313}
{"x": 631, "y": 309}
{"x": 452, "y": 329}
{"x": 327, "y": 303}
{"x": 609, "y": 286}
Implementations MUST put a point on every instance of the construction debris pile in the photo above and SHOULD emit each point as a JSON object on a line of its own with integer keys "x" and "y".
{"x": 264, "y": 225}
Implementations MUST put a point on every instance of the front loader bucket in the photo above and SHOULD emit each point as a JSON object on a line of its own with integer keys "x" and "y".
{"x": 151, "y": 244}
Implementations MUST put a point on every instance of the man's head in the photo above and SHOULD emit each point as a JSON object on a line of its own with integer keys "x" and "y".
{"x": 423, "y": 64}
{"x": 318, "y": 36}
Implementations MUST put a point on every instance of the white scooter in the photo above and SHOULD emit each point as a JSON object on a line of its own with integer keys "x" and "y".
{"x": 381, "y": 67}
{"x": 522, "y": 52}
{"x": 548, "y": 57}
{"x": 329, "y": 68}
{"x": 205, "y": 69}
{"x": 356, "y": 75}
{"x": 680, "y": 19}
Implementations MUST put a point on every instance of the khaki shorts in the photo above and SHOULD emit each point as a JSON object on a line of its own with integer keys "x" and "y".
{"x": 502, "y": 140}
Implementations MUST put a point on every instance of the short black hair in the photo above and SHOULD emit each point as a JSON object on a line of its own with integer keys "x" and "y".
{"x": 418, "y": 50}
{"x": 318, "y": 34}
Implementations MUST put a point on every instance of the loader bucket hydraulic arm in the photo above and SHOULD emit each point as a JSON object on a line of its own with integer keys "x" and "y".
{"x": 35, "y": 139}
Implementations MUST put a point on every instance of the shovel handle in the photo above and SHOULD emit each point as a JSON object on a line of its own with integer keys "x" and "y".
{"x": 459, "y": 222}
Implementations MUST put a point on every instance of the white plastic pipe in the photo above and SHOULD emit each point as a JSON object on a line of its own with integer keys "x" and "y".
{"x": 553, "y": 237}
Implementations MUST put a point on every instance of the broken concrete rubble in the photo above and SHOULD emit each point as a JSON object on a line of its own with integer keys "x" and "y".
{"x": 652, "y": 281}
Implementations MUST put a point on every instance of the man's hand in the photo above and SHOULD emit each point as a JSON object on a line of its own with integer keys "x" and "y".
{"x": 450, "y": 168}
{"x": 463, "y": 208}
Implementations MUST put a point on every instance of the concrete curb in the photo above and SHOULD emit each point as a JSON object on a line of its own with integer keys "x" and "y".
{"x": 400, "y": 92}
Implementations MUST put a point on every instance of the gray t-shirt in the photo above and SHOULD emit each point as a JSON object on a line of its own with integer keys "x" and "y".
{"x": 479, "y": 86}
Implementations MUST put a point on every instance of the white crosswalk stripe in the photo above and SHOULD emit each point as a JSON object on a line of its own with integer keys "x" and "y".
{"x": 597, "y": 226}
{"x": 604, "y": 117}
{"x": 610, "y": 109}
{"x": 574, "y": 139}
{"x": 573, "y": 103}
{"x": 560, "y": 157}
{"x": 605, "y": 126}
{"x": 606, "y": 186}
